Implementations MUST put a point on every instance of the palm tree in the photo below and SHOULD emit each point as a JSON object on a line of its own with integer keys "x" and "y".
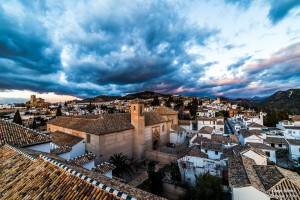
{"x": 120, "y": 161}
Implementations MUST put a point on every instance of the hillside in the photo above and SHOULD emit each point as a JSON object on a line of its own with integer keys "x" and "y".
{"x": 143, "y": 95}
{"x": 283, "y": 99}
{"x": 101, "y": 98}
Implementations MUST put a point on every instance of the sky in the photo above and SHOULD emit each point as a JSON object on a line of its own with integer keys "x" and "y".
{"x": 60, "y": 50}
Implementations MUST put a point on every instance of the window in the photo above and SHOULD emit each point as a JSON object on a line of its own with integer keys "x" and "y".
{"x": 141, "y": 110}
{"x": 163, "y": 128}
{"x": 88, "y": 138}
{"x": 267, "y": 153}
{"x": 280, "y": 145}
{"x": 216, "y": 153}
{"x": 272, "y": 145}
{"x": 205, "y": 150}
{"x": 134, "y": 108}
{"x": 172, "y": 121}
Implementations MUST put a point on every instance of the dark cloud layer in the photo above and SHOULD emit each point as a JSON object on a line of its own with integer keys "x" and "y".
{"x": 88, "y": 48}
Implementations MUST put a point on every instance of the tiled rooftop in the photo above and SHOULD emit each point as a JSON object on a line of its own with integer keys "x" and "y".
{"x": 81, "y": 160}
{"x": 294, "y": 142}
{"x": 104, "y": 124}
{"x": 61, "y": 150}
{"x": 20, "y": 136}
{"x": 196, "y": 152}
{"x": 103, "y": 168}
{"x": 61, "y": 139}
{"x": 276, "y": 140}
{"x": 223, "y": 139}
{"x": 206, "y": 130}
{"x": 177, "y": 128}
{"x": 163, "y": 110}
{"x": 111, "y": 183}
{"x": 212, "y": 146}
{"x": 261, "y": 146}
{"x": 269, "y": 179}
{"x": 24, "y": 178}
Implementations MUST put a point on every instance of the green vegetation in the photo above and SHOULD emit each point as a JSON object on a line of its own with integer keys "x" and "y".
{"x": 207, "y": 187}
{"x": 283, "y": 99}
{"x": 58, "y": 111}
{"x": 175, "y": 173}
{"x": 273, "y": 116}
{"x": 193, "y": 106}
{"x": 120, "y": 161}
{"x": 155, "y": 102}
{"x": 155, "y": 178}
{"x": 33, "y": 125}
{"x": 17, "y": 118}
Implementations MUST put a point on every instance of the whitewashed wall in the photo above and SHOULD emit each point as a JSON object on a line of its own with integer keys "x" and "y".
{"x": 41, "y": 147}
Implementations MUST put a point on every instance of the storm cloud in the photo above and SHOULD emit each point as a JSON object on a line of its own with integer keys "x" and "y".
{"x": 88, "y": 48}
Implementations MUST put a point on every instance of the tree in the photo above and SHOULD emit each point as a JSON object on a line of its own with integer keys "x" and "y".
{"x": 43, "y": 123}
{"x": 58, "y": 112}
{"x": 66, "y": 104}
{"x": 120, "y": 161}
{"x": 33, "y": 125}
{"x": 155, "y": 179}
{"x": 219, "y": 114}
{"x": 17, "y": 118}
{"x": 175, "y": 173}
{"x": 207, "y": 187}
{"x": 155, "y": 102}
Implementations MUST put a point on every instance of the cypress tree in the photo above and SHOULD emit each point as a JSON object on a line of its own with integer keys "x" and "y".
{"x": 17, "y": 118}
{"x": 58, "y": 112}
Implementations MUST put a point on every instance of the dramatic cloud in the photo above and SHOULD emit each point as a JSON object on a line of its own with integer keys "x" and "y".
{"x": 88, "y": 48}
{"x": 279, "y": 9}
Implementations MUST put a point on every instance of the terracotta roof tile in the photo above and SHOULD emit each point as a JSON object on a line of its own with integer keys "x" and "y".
{"x": 177, "y": 128}
{"x": 103, "y": 168}
{"x": 276, "y": 140}
{"x": 223, "y": 139}
{"x": 196, "y": 152}
{"x": 61, "y": 139}
{"x": 112, "y": 183}
{"x": 206, "y": 130}
{"x": 212, "y": 146}
{"x": 261, "y": 146}
{"x": 294, "y": 142}
{"x": 163, "y": 110}
{"x": 61, "y": 150}
{"x": 86, "y": 158}
{"x": 24, "y": 178}
{"x": 20, "y": 136}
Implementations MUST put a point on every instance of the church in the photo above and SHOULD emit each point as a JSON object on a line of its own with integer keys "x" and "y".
{"x": 128, "y": 133}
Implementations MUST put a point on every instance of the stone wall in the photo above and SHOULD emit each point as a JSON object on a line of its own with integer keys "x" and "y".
{"x": 161, "y": 157}
{"x": 172, "y": 191}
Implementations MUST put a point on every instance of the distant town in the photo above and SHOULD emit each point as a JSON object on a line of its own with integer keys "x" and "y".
{"x": 154, "y": 146}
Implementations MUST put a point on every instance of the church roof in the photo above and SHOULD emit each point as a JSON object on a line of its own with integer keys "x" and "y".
{"x": 104, "y": 124}
{"x": 20, "y": 136}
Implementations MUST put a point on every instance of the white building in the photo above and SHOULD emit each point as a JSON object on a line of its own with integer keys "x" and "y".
{"x": 105, "y": 169}
{"x": 250, "y": 180}
{"x": 294, "y": 149}
{"x": 289, "y": 129}
{"x": 268, "y": 150}
{"x": 196, "y": 162}
{"x": 250, "y": 136}
{"x": 66, "y": 145}
{"x": 177, "y": 134}
{"x": 277, "y": 142}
